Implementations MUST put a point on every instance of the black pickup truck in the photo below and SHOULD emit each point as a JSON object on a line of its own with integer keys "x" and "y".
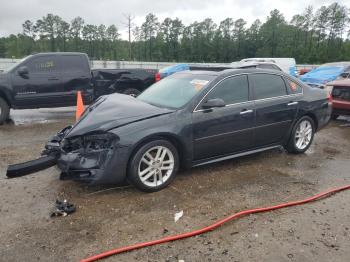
{"x": 53, "y": 79}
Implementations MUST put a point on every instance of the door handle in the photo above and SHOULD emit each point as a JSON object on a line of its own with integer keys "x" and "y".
{"x": 245, "y": 111}
{"x": 292, "y": 103}
{"x": 52, "y": 78}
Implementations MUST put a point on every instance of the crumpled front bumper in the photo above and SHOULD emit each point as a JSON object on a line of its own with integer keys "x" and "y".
{"x": 94, "y": 168}
{"x": 103, "y": 166}
{"x": 48, "y": 158}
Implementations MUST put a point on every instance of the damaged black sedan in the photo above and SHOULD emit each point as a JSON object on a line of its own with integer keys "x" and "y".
{"x": 188, "y": 119}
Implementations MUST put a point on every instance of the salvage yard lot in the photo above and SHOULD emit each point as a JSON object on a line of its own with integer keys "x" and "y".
{"x": 106, "y": 219}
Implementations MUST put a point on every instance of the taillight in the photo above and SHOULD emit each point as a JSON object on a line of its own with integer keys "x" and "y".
{"x": 329, "y": 90}
{"x": 157, "y": 77}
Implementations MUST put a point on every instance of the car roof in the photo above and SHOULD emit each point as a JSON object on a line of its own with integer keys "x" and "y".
{"x": 243, "y": 64}
{"x": 231, "y": 72}
{"x": 59, "y": 53}
{"x": 250, "y": 70}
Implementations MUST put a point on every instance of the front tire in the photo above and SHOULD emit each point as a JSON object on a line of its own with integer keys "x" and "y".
{"x": 302, "y": 136}
{"x": 153, "y": 166}
{"x": 4, "y": 111}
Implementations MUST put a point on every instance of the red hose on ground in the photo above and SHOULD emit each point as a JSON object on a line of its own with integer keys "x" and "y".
{"x": 213, "y": 226}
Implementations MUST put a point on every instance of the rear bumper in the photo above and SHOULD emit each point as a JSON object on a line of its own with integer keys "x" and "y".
{"x": 341, "y": 107}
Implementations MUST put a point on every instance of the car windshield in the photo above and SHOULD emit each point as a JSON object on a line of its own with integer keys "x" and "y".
{"x": 175, "y": 91}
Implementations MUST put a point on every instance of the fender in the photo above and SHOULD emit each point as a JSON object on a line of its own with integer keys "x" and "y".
{"x": 185, "y": 153}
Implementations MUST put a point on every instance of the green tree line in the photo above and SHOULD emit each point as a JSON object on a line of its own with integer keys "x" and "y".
{"x": 314, "y": 36}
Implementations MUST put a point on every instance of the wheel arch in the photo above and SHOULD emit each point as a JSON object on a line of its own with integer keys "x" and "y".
{"x": 313, "y": 117}
{"x": 175, "y": 140}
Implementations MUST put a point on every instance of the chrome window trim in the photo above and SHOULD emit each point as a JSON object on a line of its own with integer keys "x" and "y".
{"x": 228, "y": 105}
{"x": 278, "y": 97}
{"x": 249, "y": 101}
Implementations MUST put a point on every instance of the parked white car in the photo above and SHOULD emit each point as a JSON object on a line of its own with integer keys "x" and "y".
{"x": 288, "y": 65}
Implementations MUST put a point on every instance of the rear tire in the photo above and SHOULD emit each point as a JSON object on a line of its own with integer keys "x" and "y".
{"x": 302, "y": 136}
{"x": 4, "y": 111}
{"x": 132, "y": 92}
{"x": 154, "y": 166}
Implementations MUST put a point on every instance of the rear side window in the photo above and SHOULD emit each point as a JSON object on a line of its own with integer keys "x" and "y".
{"x": 293, "y": 88}
{"x": 42, "y": 65}
{"x": 74, "y": 63}
{"x": 232, "y": 90}
{"x": 266, "y": 86}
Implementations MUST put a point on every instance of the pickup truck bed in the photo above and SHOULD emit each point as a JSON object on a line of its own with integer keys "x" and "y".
{"x": 127, "y": 81}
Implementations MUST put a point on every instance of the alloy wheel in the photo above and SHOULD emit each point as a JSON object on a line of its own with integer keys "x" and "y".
{"x": 303, "y": 134}
{"x": 156, "y": 166}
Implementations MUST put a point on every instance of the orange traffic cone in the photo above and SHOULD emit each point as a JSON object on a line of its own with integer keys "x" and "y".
{"x": 80, "y": 106}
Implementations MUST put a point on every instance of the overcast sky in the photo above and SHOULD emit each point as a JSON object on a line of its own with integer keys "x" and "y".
{"x": 14, "y": 12}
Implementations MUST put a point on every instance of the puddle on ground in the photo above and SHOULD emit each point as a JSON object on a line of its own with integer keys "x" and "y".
{"x": 40, "y": 116}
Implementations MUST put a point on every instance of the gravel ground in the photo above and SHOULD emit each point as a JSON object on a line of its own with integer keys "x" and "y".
{"x": 112, "y": 217}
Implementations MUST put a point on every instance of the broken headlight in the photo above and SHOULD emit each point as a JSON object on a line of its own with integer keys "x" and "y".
{"x": 90, "y": 142}
{"x": 99, "y": 141}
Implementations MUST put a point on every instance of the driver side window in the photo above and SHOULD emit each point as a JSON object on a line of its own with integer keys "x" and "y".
{"x": 42, "y": 65}
{"x": 232, "y": 90}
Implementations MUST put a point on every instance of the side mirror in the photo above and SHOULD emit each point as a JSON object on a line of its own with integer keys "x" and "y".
{"x": 211, "y": 103}
{"x": 23, "y": 71}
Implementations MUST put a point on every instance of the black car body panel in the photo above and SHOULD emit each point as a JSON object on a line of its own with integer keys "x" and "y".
{"x": 98, "y": 147}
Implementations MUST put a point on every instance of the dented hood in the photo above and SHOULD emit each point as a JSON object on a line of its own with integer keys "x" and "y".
{"x": 112, "y": 111}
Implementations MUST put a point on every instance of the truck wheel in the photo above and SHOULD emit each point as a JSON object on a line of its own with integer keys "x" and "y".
{"x": 132, "y": 92}
{"x": 4, "y": 111}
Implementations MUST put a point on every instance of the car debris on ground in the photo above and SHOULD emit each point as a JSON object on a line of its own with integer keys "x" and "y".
{"x": 63, "y": 208}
